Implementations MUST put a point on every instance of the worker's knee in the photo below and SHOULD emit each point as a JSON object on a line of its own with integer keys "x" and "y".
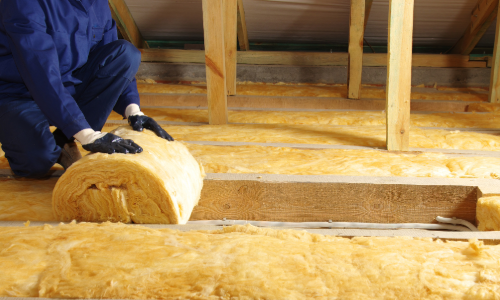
{"x": 34, "y": 164}
{"x": 128, "y": 58}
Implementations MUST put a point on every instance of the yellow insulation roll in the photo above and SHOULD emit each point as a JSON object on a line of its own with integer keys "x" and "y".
{"x": 161, "y": 185}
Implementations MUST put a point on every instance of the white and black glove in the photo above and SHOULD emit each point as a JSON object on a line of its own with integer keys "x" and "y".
{"x": 96, "y": 141}
{"x": 139, "y": 121}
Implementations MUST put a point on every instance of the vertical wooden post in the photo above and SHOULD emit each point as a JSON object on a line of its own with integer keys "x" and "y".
{"x": 495, "y": 79}
{"x": 242, "y": 28}
{"x": 230, "y": 41}
{"x": 399, "y": 74}
{"x": 356, "y": 33}
{"x": 213, "y": 25}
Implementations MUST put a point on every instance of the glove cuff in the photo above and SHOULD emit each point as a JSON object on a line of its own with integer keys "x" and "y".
{"x": 133, "y": 110}
{"x": 88, "y": 136}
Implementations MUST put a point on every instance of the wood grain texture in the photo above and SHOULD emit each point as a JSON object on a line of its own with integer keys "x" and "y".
{"x": 310, "y": 58}
{"x": 356, "y": 35}
{"x": 339, "y": 202}
{"x": 242, "y": 101}
{"x": 482, "y": 16}
{"x": 399, "y": 74}
{"x": 230, "y": 10}
{"x": 213, "y": 25}
{"x": 494, "y": 94}
{"x": 242, "y": 28}
{"x": 126, "y": 24}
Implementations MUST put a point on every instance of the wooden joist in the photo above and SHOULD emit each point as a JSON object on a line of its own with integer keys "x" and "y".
{"x": 230, "y": 41}
{"x": 356, "y": 35}
{"x": 310, "y": 58}
{"x": 242, "y": 28}
{"x": 482, "y": 16}
{"x": 126, "y": 24}
{"x": 399, "y": 74}
{"x": 296, "y": 198}
{"x": 494, "y": 96}
{"x": 213, "y": 24}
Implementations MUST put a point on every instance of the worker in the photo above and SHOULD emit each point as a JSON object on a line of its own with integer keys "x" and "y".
{"x": 62, "y": 65}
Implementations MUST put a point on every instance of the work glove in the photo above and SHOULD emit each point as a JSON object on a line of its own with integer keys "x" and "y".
{"x": 96, "y": 141}
{"x": 139, "y": 121}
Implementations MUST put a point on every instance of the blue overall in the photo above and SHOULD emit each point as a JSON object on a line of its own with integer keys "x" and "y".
{"x": 62, "y": 65}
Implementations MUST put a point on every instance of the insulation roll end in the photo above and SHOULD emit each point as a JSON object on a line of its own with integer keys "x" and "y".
{"x": 161, "y": 185}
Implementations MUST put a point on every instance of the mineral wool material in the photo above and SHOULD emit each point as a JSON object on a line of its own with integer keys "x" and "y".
{"x": 161, "y": 185}
{"x": 488, "y": 213}
{"x": 117, "y": 261}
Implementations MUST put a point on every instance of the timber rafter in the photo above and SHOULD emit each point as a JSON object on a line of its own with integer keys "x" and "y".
{"x": 483, "y": 15}
{"x": 126, "y": 24}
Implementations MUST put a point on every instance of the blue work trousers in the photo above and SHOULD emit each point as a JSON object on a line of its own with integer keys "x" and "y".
{"x": 26, "y": 139}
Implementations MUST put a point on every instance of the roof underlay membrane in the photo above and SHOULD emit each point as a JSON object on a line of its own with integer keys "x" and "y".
{"x": 436, "y": 22}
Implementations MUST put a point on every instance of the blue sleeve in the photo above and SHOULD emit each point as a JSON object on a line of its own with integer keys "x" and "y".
{"x": 131, "y": 94}
{"x": 36, "y": 58}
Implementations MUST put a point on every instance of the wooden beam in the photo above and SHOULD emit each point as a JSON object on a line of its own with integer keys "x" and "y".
{"x": 482, "y": 16}
{"x": 242, "y": 28}
{"x": 230, "y": 41}
{"x": 126, "y": 24}
{"x": 356, "y": 34}
{"x": 310, "y": 58}
{"x": 494, "y": 96}
{"x": 213, "y": 24}
{"x": 488, "y": 58}
{"x": 173, "y": 56}
{"x": 368, "y": 9}
{"x": 269, "y": 102}
{"x": 289, "y": 198}
{"x": 399, "y": 74}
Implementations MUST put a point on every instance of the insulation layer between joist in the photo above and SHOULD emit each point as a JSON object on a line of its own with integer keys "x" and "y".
{"x": 273, "y": 264}
{"x": 371, "y": 136}
{"x": 311, "y": 90}
{"x": 314, "y": 160}
{"x": 477, "y": 121}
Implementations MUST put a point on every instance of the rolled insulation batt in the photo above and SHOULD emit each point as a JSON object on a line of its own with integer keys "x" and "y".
{"x": 161, "y": 185}
{"x": 488, "y": 213}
